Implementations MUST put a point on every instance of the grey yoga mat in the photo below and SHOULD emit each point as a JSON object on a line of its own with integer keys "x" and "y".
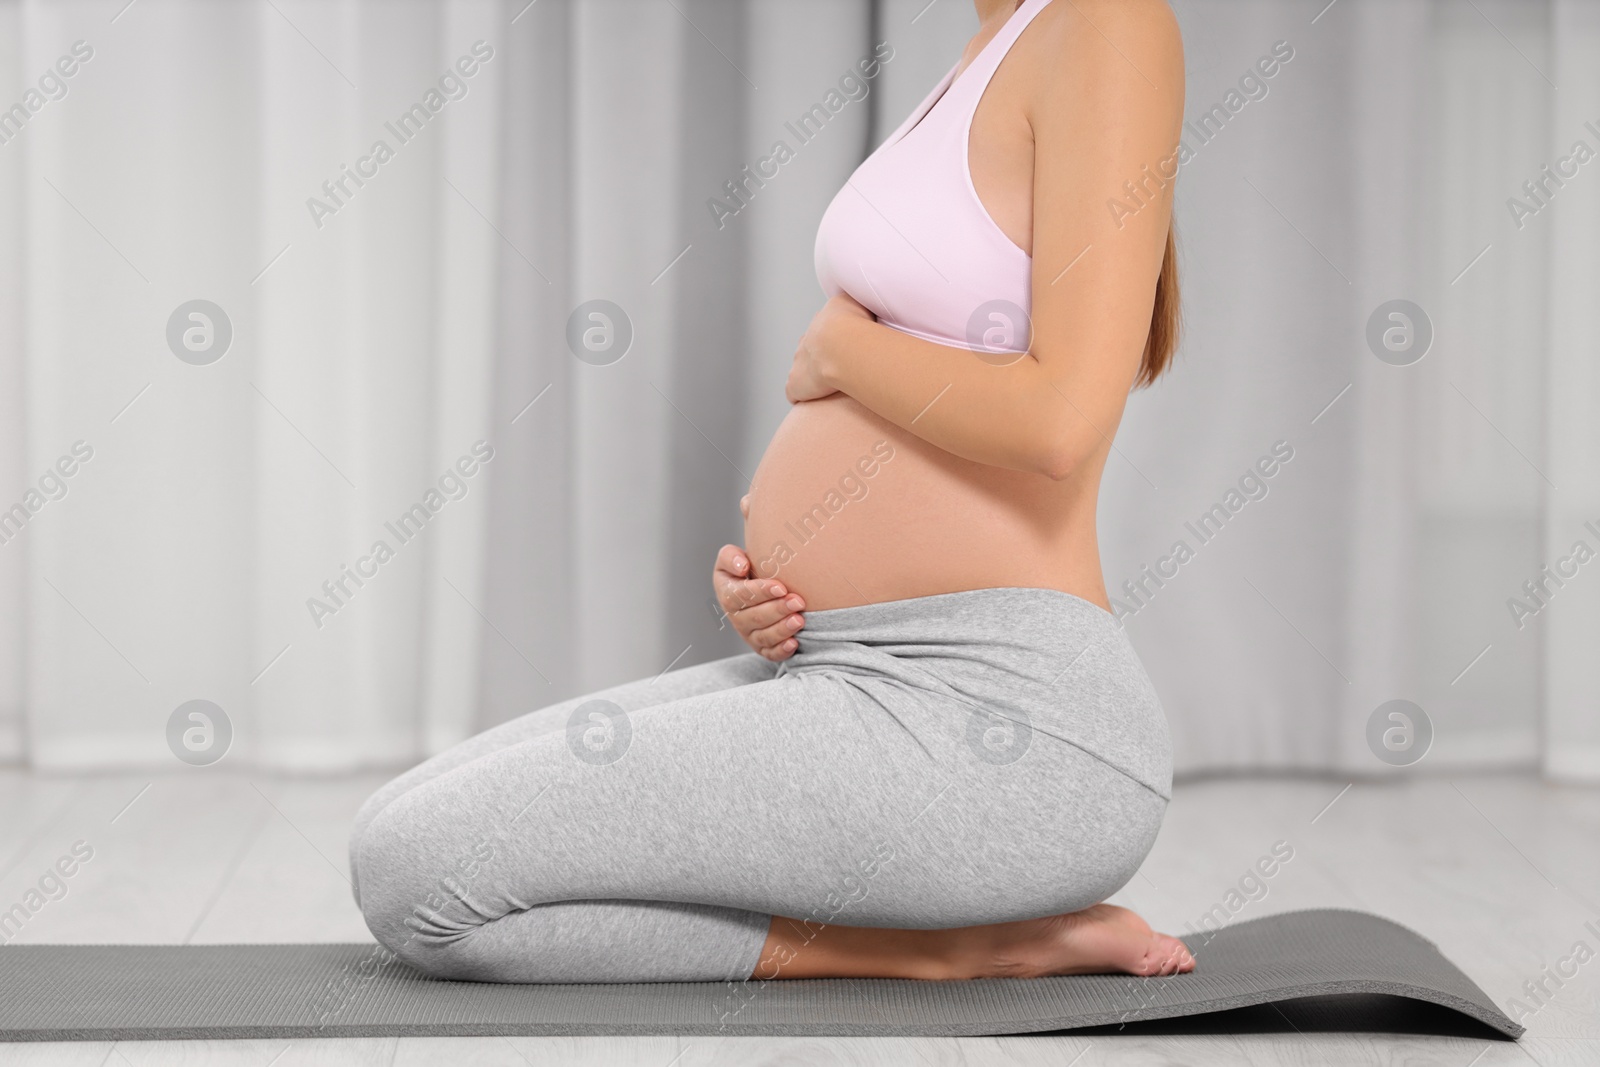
{"x": 147, "y": 992}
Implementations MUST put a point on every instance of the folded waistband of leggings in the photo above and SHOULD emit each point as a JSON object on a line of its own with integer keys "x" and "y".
{"x": 1010, "y": 616}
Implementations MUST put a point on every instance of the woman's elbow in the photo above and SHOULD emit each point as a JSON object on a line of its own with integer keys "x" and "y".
{"x": 1058, "y": 468}
{"x": 1059, "y": 459}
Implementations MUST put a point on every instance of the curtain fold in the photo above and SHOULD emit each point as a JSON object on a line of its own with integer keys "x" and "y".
{"x": 1571, "y": 669}
{"x": 13, "y": 406}
{"x": 400, "y": 318}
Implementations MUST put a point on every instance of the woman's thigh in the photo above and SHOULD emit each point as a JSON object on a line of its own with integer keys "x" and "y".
{"x": 631, "y": 697}
{"x": 820, "y": 795}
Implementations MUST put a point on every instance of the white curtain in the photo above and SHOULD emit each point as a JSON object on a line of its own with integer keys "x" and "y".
{"x": 379, "y": 338}
{"x": 180, "y": 164}
{"x": 1381, "y": 563}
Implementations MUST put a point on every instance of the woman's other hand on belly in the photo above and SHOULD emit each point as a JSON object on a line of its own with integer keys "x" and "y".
{"x": 763, "y": 612}
{"x": 808, "y": 375}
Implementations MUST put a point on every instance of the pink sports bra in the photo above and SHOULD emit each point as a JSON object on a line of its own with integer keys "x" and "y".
{"x": 909, "y": 239}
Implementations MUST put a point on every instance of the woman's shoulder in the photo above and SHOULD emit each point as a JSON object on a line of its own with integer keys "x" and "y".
{"x": 1079, "y": 39}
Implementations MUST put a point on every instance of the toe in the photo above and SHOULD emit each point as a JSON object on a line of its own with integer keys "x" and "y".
{"x": 1171, "y": 952}
{"x": 1153, "y": 963}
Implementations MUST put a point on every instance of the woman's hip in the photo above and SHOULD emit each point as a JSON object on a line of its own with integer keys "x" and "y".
{"x": 1003, "y": 671}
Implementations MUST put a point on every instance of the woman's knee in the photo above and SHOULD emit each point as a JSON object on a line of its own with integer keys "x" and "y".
{"x": 413, "y": 883}
{"x": 365, "y": 815}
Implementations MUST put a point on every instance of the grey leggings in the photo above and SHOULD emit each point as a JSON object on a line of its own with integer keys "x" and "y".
{"x": 944, "y": 761}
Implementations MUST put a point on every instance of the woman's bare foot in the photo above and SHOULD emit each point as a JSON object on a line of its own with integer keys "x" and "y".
{"x": 1102, "y": 939}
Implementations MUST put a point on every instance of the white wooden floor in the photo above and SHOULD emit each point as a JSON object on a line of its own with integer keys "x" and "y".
{"x": 1501, "y": 872}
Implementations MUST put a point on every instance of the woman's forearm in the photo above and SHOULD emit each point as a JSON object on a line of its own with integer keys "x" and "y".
{"x": 1015, "y": 416}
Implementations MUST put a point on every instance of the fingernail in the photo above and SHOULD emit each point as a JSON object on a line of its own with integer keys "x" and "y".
{"x": 738, "y": 561}
{"x": 794, "y": 622}
{"x": 793, "y": 603}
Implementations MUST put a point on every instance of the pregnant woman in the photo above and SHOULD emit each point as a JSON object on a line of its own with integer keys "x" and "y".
{"x": 943, "y": 755}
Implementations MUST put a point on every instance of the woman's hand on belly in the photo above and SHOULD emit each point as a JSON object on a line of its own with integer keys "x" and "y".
{"x": 808, "y": 375}
{"x": 762, "y": 611}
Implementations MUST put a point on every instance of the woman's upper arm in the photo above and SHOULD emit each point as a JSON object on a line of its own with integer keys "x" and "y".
{"x": 1108, "y": 113}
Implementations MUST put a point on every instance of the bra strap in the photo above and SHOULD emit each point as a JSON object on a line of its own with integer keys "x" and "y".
{"x": 988, "y": 60}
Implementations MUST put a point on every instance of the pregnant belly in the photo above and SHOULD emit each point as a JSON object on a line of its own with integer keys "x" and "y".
{"x": 847, "y": 508}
